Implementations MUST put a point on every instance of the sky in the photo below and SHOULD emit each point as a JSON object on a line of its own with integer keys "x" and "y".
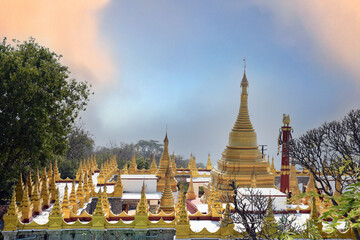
{"x": 178, "y": 65}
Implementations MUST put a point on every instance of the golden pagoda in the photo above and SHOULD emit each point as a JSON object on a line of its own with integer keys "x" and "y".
{"x": 153, "y": 167}
{"x": 65, "y": 205}
{"x": 133, "y": 167}
{"x": 173, "y": 164}
{"x": 19, "y": 189}
{"x": 242, "y": 154}
{"x": 163, "y": 165}
{"x": 209, "y": 164}
{"x": 190, "y": 192}
{"x": 29, "y": 183}
{"x": 118, "y": 188}
{"x": 56, "y": 172}
{"x": 26, "y": 207}
{"x": 11, "y": 218}
{"x": 36, "y": 200}
{"x": 272, "y": 168}
{"x": 167, "y": 197}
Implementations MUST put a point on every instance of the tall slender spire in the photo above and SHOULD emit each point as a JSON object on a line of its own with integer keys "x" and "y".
{"x": 243, "y": 120}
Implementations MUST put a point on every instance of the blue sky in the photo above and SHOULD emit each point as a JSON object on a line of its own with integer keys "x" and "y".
{"x": 180, "y": 63}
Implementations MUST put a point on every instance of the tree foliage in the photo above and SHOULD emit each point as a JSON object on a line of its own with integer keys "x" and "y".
{"x": 148, "y": 148}
{"x": 38, "y": 106}
{"x": 331, "y": 153}
{"x": 80, "y": 147}
{"x": 253, "y": 216}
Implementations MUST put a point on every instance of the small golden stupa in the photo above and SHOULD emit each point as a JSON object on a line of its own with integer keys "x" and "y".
{"x": 242, "y": 156}
{"x": 163, "y": 166}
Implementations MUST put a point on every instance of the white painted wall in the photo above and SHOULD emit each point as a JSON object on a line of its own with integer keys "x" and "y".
{"x": 133, "y": 183}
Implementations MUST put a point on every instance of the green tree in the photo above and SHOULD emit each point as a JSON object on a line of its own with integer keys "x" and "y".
{"x": 38, "y": 106}
{"x": 149, "y": 148}
{"x": 81, "y": 144}
{"x": 80, "y": 147}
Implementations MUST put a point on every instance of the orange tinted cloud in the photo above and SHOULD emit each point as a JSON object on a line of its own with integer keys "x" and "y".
{"x": 67, "y": 27}
{"x": 333, "y": 25}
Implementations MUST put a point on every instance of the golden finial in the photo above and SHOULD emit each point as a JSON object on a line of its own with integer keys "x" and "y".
{"x": 183, "y": 216}
{"x": 190, "y": 193}
{"x": 91, "y": 186}
{"x": 99, "y": 209}
{"x": 174, "y": 168}
{"x": 56, "y": 210}
{"x": 13, "y": 209}
{"x": 45, "y": 195}
{"x": 80, "y": 193}
{"x": 86, "y": 188}
{"x": 65, "y": 201}
{"x": 106, "y": 204}
{"x": 118, "y": 188}
{"x": 142, "y": 207}
{"x": 11, "y": 218}
{"x": 44, "y": 178}
{"x": 37, "y": 177}
{"x": 19, "y": 189}
{"x": 153, "y": 167}
{"x": 209, "y": 164}
{"x": 29, "y": 182}
{"x": 52, "y": 188}
{"x": 272, "y": 168}
{"x": 56, "y": 172}
{"x": 73, "y": 199}
{"x": 36, "y": 200}
{"x": 26, "y": 207}
{"x": 133, "y": 167}
{"x": 50, "y": 173}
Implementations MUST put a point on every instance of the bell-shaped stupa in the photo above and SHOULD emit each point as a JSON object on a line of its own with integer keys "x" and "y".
{"x": 242, "y": 155}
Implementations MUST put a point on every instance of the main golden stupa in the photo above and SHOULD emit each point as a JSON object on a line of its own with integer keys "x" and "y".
{"x": 242, "y": 157}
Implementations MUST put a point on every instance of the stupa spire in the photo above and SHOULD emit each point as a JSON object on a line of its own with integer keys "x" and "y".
{"x": 243, "y": 120}
{"x": 165, "y": 162}
{"x": 153, "y": 167}
{"x": 118, "y": 188}
{"x": 209, "y": 164}
{"x": 242, "y": 154}
{"x": 142, "y": 207}
{"x": 36, "y": 200}
{"x": 65, "y": 203}
{"x": 190, "y": 193}
{"x": 19, "y": 189}
{"x": 167, "y": 197}
{"x": 26, "y": 207}
{"x": 133, "y": 166}
{"x": 11, "y": 218}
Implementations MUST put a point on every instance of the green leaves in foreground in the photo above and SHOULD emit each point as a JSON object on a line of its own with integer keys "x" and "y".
{"x": 38, "y": 106}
